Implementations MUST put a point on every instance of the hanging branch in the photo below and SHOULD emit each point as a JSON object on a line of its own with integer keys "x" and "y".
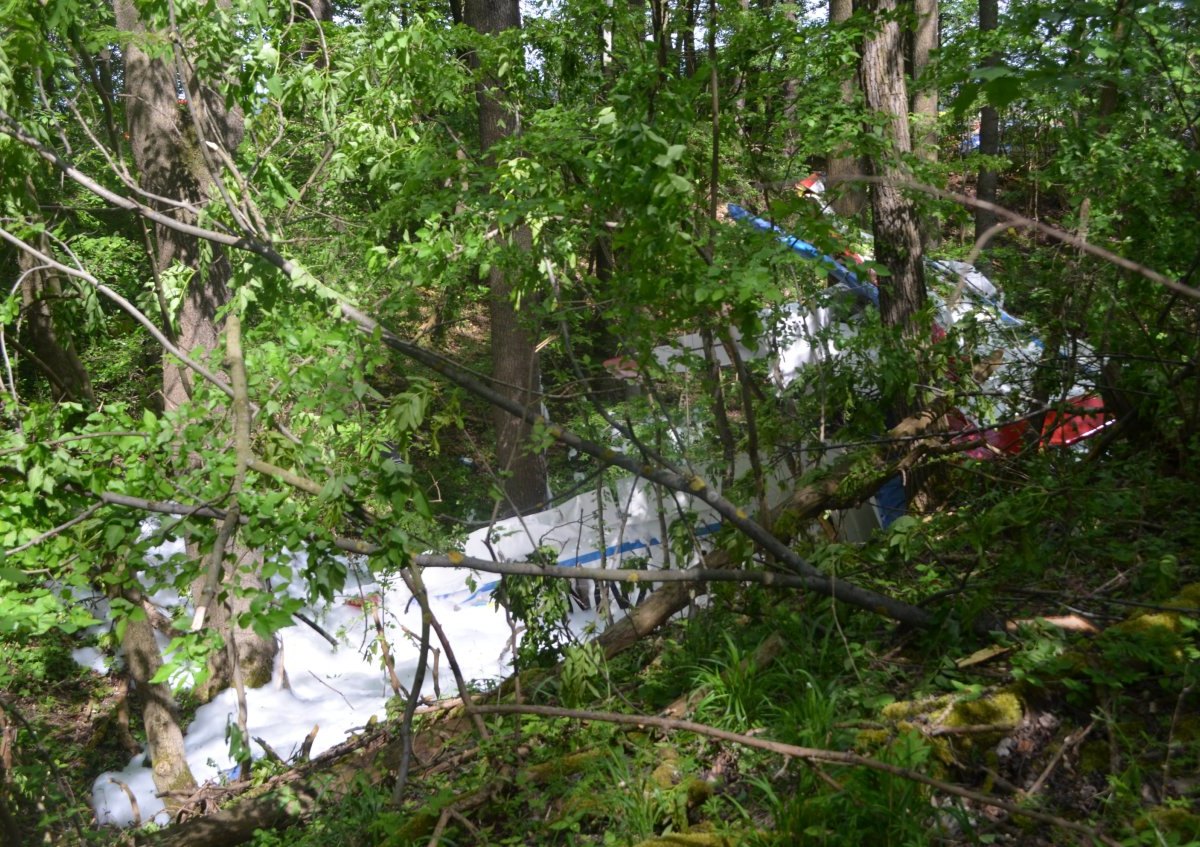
{"x": 414, "y": 697}
{"x": 772, "y": 579}
{"x": 1019, "y": 220}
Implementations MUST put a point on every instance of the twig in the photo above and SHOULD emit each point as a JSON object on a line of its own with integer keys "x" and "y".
{"x": 443, "y": 819}
{"x": 410, "y": 708}
{"x": 315, "y": 627}
{"x": 1137, "y": 604}
{"x": 1020, "y": 220}
{"x": 62, "y": 527}
{"x": 133, "y": 803}
{"x": 1166, "y": 768}
{"x": 269, "y": 750}
{"x": 306, "y": 747}
{"x": 1069, "y": 742}
{"x": 331, "y": 688}
{"x": 447, "y": 813}
{"x": 455, "y": 669}
{"x": 814, "y": 754}
{"x": 388, "y": 662}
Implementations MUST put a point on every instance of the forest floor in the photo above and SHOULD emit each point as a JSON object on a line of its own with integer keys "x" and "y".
{"x": 1075, "y": 724}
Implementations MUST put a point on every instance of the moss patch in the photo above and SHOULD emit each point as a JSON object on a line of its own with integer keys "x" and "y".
{"x": 691, "y": 839}
{"x": 1173, "y": 820}
{"x": 1000, "y": 709}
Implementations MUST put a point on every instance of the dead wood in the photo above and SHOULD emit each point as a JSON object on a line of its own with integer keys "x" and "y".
{"x": 806, "y": 754}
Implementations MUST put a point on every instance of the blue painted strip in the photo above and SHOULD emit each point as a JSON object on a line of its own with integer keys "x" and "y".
{"x": 836, "y": 269}
{"x": 848, "y": 278}
{"x": 482, "y": 592}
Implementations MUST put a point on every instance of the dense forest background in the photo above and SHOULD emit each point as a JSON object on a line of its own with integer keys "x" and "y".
{"x": 357, "y": 278}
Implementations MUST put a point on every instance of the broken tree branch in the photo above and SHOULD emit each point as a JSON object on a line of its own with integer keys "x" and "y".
{"x": 691, "y": 484}
{"x": 808, "y": 754}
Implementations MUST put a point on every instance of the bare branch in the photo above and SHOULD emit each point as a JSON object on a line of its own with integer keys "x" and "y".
{"x": 124, "y": 305}
{"x": 62, "y": 527}
{"x": 808, "y": 754}
{"x": 1012, "y": 218}
{"x": 818, "y": 583}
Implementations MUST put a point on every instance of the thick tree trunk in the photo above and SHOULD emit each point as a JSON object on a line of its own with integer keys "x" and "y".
{"x": 517, "y": 374}
{"x": 55, "y": 355}
{"x": 164, "y": 739}
{"x": 925, "y": 94}
{"x": 514, "y": 358}
{"x": 895, "y": 223}
{"x": 848, "y": 198}
{"x": 989, "y": 131}
{"x": 171, "y": 163}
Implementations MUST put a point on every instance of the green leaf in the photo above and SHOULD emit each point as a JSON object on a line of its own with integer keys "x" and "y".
{"x": 114, "y": 534}
{"x": 1002, "y": 91}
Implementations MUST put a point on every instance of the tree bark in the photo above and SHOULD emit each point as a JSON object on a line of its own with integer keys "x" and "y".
{"x": 689, "y": 38}
{"x": 515, "y": 367}
{"x": 895, "y": 222}
{"x": 925, "y": 95}
{"x": 55, "y": 354}
{"x": 848, "y": 198}
{"x": 171, "y": 163}
{"x": 164, "y": 739}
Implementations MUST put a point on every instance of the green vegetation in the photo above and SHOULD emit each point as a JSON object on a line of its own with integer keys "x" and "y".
{"x": 358, "y": 276}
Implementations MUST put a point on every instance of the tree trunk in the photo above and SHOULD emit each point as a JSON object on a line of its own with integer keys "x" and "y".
{"x": 164, "y": 739}
{"x": 55, "y": 356}
{"x": 925, "y": 96}
{"x": 171, "y": 163}
{"x": 895, "y": 223}
{"x": 848, "y": 198}
{"x": 689, "y": 39}
{"x": 514, "y": 357}
{"x": 1108, "y": 99}
{"x": 989, "y": 130}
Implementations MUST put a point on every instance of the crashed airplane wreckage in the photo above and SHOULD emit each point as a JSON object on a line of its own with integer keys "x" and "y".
{"x": 627, "y": 524}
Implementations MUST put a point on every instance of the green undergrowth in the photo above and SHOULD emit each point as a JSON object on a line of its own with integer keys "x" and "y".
{"x": 60, "y": 726}
{"x": 1094, "y": 725}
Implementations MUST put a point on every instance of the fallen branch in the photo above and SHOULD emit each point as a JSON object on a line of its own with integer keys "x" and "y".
{"x": 808, "y": 754}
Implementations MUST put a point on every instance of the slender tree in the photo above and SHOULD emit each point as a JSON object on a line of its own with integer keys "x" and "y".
{"x": 925, "y": 93}
{"x": 848, "y": 197}
{"x": 515, "y": 367}
{"x": 894, "y": 218}
{"x": 989, "y": 129}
